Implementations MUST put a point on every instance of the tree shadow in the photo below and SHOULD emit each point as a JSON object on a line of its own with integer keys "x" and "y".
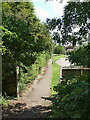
{"x": 21, "y": 111}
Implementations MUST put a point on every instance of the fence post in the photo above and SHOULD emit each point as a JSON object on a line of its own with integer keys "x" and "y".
{"x": 60, "y": 74}
{"x": 81, "y": 72}
{"x": 17, "y": 72}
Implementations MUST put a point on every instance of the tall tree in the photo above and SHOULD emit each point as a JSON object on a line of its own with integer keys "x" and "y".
{"x": 24, "y": 38}
{"x": 76, "y": 15}
{"x": 32, "y": 36}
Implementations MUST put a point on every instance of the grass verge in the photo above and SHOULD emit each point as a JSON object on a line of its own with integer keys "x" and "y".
{"x": 56, "y": 72}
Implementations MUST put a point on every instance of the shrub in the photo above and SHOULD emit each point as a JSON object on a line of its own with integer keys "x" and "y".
{"x": 59, "y": 49}
{"x": 4, "y": 100}
{"x": 71, "y": 98}
{"x": 28, "y": 74}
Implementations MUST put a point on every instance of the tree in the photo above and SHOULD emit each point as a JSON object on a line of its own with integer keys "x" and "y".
{"x": 80, "y": 56}
{"x": 76, "y": 14}
{"x": 24, "y": 38}
{"x": 59, "y": 49}
{"x": 55, "y": 24}
{"x": 32, "y": 36}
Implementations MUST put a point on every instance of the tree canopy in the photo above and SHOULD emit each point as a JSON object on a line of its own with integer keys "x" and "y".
{"x": 26, "y": 43}
{"x": 58, "y": 49}
{"x": 23, "y": 33}
{"x": 76, "y": 15}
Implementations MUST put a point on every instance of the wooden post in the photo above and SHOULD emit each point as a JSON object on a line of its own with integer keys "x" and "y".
{"x": 81, "y": 72}
{"x": 17, "y": 72}
{"x": 60, "y": 74}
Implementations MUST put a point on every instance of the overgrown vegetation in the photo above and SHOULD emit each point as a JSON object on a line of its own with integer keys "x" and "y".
{"x": 58, "y": 49}
{"x": 71, "y": 99}
{"x": 29, "y": 73}
{"x": 26, "y": 42}
{"x": 5, "y": 99}
{"x": 81, "y": 57}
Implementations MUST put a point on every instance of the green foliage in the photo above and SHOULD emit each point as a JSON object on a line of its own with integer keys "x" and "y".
{"x": 56, "y": 72}
{"x": 33, "y": 36}
{"x": 23, "y": 34}
{"x": 80, "y": 56}
{"x": 4, "y": 100}
{"x": 24, "y": 38}
{"x": 58, "y": 49}
{"x": 76, "y": 14}
{"x": 53, "y": 23}
{"x": 71, "y": 98}
{"x": 28, "y": 74}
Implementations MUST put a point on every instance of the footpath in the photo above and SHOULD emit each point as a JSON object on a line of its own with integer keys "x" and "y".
{"x": 33, "y": 104}
{"x": 63, "y": 62}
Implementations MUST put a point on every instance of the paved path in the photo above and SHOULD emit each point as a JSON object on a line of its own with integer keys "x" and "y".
{"x": 63, "y": 62}
{"x": 40, "y": 89}
{"x": 32, "y": 104}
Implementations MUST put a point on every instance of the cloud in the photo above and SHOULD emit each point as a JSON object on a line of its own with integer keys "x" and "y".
{"x": 49, "y": 9}
{"x": 41, "y": 13}
{"x": 58, "y": 7}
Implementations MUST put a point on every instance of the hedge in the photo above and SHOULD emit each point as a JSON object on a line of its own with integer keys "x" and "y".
{"x": 29, "y": 74}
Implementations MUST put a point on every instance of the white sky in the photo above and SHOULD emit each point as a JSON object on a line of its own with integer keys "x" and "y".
{"x": 49, "y": 9}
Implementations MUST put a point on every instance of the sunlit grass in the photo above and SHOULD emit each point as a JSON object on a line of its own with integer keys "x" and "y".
{"x": 56, "y": 72}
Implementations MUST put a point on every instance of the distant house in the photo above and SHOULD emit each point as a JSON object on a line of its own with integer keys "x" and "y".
{"x": 71, "y": 48}
{"x": 76, "y": 47}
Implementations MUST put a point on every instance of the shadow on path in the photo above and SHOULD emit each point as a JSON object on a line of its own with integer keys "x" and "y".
{"x": 32, "y": 104}
{"x": 20, "y": 111}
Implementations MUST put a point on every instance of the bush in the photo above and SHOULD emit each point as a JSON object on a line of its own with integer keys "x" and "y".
{"x": 59, "y": 49}
{"x": 5, "y": 99}
{"x": 28, "y": 74}
{"x": 80, "y": 56}
{"x": 71, "y": 98}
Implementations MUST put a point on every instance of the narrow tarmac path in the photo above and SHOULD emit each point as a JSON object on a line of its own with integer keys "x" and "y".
{"x": 40, "y": 89}
{"x": 33, "y": 104}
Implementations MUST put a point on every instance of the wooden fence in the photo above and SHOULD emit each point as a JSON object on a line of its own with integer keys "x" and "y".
{"x": 69, "y": 72}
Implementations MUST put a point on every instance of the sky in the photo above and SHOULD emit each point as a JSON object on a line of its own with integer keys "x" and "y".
{"x": 49, "y": 9}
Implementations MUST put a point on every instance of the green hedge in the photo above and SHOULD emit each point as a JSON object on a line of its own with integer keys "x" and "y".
{"x": 28, "y": 74}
